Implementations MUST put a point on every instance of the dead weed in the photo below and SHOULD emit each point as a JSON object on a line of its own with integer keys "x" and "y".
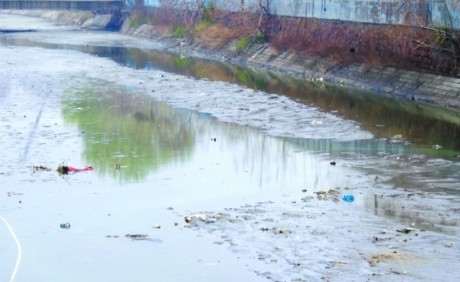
{"x": 217, "y": 35}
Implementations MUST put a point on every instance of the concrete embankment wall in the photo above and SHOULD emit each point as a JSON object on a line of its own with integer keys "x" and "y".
{"x": 96, "y": 6}
{"x": 83, "y": 18}
{"x": 407, "y": 12}
{"x": 428, "y": 88}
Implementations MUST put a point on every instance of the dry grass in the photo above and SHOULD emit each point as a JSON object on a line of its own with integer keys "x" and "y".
{"x": 217, "y": 35}
{"x": 338, "y": 42}
{"x": 377, "y": 45}
{"x": 166, "y": 30}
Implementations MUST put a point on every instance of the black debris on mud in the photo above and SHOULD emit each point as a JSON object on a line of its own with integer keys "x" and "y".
{"x": 36, "y": 168}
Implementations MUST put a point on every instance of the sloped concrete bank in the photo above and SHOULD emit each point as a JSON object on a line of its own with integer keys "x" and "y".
{"x": 84, "y": 19}
{"x": 427, "y": 88}
{"x": 439, "y": 90}
{"x": 421, "y": 87}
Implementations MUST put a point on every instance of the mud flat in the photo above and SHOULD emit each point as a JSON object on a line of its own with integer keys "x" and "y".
{"x": 36, "y": 202}
{"x": 227, "y": 202}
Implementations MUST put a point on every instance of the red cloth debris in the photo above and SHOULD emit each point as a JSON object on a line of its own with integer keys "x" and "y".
{"x": 64, "y": 169}
{"x": 74, "y": 169}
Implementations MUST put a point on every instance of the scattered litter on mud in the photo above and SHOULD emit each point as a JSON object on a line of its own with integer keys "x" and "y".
{"x": 403, "y": 222}
{"x": 62, "y": 169}
{"x": 326, "y": 240}
{"x": 198, "y": 218}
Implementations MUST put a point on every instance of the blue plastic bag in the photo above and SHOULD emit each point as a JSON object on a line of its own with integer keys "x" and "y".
{"x": 348, "y": 198}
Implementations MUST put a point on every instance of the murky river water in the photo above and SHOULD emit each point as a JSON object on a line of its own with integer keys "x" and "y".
{"x": 420, "y": 125}
{"x": 169, "y": 136}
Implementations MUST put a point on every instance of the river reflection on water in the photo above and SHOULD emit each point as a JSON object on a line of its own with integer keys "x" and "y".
{"x": 161, "y": 151}
{"x": 421, "y": 125}
{"x": 385, "y": 117}
{"x": 132, "y": 138}
{"x": 130, "y": 133}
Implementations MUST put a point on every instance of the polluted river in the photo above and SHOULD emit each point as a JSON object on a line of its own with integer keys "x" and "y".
{"x": 180, "y": 169}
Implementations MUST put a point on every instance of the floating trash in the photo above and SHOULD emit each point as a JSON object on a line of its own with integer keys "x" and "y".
{"x": 332, "y": 194}
{"x": 137, "y": 236}
{"x": 36, "y": 168}
{"x": 193, "y": 219}
{"x": 64, "y": 169}
{"x": 65, "y": 225}
{"x": 348, "y": 198}
{"x": 406, "y": 230}
{"x": 281, "y": 231}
